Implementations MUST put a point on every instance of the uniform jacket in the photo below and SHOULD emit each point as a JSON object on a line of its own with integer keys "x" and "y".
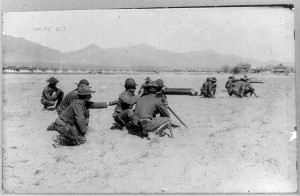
{"x": 239, "y": 86}
{"x": 207, "y": 88}
{"x": 148, "y": 105}
{"x": 127, "y": 100}
{"x": 67, "y": 100}
{"x": 74, "y": 113}
{"x": 48, "y": 93}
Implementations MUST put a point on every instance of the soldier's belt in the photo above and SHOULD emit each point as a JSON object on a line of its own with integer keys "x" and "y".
{"x": 59, "y": 121}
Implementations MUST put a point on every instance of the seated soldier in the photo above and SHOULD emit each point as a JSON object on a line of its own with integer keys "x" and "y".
{"x": 228, "y": 82}
{"x": 230, "y": 85}
{"x": 71, "y": 123}
{"x": 206, "y": 89}
{"x": 49, "y": 97}
{"x": 67, "y": 100}
{"x": 248, "y": 86}
{"x": 147, "y": 81}
{"x": 214, "y": 85}
{"x": 146, "y": 108}
{"x": 160, "y": 91}
{"x": 123, "y": 113}
{"x": 239, "y": 88}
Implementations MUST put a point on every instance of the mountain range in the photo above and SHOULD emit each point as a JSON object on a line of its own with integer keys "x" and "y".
{"x": 18, "y": 51}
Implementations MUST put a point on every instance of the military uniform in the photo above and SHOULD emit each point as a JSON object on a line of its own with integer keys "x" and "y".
{"x": 124, "y": 113}
{"x": 71, "y": 123}
{"x": 148, "y": 80}
{"x": 51, "y": 94}
{"x": 146, "y": 109}
{"x": 238, "y": 89}
{"x": 248, "y": 87}
{"x": 214, "y": 86}
{"x": 67, "y": 100}
{"x": 160, "y": 94}
{"x": 207, "y": 88}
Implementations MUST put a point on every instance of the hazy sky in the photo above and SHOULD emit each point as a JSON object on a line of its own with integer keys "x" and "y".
{"x": 259, "y": 33}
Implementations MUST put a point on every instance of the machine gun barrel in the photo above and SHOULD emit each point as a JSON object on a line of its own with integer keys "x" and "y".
{"x": 179, "y": 91}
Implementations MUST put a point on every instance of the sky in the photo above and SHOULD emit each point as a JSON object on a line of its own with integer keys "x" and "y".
{"x": 262, "y": 33}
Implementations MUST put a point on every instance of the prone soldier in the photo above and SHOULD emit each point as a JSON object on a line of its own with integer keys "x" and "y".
{"x": 124, "y": 113}
{"x": 71, "y": 123}
{"x": 49, "y": 97}
{"x": 146, "y": 109}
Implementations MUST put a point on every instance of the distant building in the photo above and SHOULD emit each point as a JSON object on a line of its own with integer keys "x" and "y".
{"x": 279, "y": 69}
{"x": 244, "y": 67}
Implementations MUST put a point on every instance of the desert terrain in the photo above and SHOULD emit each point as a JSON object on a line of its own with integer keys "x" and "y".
{"x": 231, "y": 145}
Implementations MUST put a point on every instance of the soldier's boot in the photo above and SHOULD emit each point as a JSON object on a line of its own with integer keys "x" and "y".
{"x": 58, "y": 141}
{"x": 50, "y": 127}
{"x": 160, "y": 130}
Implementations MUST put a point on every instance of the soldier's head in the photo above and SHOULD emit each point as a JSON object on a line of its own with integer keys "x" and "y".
{"x": 130, "y": 85}
{"x": 148, "y": 80}
{"x": 230, "y": 77}
{"x": 84, "y": 92}
{"x": 160, "y": 84}
{"x": 233, "y": 79}
{"x": 83, "y": 82}
{"x": 208, "y": 79}
{"x": 246, "y": 78}
{"x": 151, "y": 87}
{"x": 213, "y": 79}
{"x": 52, "y": 81}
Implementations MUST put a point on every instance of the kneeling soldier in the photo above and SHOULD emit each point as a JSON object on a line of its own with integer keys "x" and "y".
{"x": 71, "y": 123}
{"x": 248, "y": 87}
{"x": 239, "y": 88}
{"x": 123, "y": 113}
{"x": 49, "y": 97}
{"x": 206, "y": 89}
{"x": 214, "y": 85}
{"x": 146, "y": 108}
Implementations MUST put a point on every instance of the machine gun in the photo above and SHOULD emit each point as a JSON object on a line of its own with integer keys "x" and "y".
{"x": 180, "y": 91}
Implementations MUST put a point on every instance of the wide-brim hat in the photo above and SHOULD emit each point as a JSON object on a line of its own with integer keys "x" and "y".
{"x": 83, "y": 81}
{"x": 160, "y": 83}
{"x": 213, "y": 79}
{"x": 129, "y": 82}
{"x": 84, "y": 90}
{"x": 52, "y": 80}
{"x": 246, "y": 77}
{"x": 152, "y": 84}
{"x": 148, "y": 79}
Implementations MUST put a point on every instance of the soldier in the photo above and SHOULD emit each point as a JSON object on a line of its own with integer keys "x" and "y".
{"x": 147, "y": 81}
{"x": 67, "y": 100}
{"x": 206, "y": 89}
{"x": 230, "y": 84}
{"x": 48, "y": 98}
{"x": 123, "y": 113}
{"x": 214, "y": 85}
{"x": 71, "y": 124}
{"x": 248, "y": 87}
{"x": 146, "y": 108}
{"x": 239, "y": 88}
{"x": 160, "y": 91}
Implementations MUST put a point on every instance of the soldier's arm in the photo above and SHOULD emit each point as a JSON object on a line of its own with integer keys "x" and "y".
{"x": 96, "y": 105}
{"x": 163, "y": 110}
{"x": 129, "y": 100}
{"x": 80, "y": 118}
{"x": 48, "y": 96}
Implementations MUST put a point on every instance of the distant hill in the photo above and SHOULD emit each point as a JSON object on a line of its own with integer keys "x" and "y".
{"x": 19, "y": 50}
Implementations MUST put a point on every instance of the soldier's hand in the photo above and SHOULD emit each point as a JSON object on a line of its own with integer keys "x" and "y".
{"x": 113, "y": 102}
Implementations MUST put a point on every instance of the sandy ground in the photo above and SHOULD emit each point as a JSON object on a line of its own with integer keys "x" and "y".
{"x": 231, "y": 146}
